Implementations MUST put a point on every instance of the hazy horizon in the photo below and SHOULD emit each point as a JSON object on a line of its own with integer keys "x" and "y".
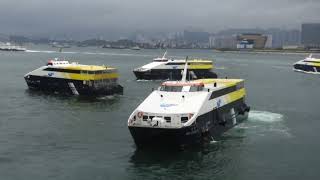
{"x": 111, "y": 18}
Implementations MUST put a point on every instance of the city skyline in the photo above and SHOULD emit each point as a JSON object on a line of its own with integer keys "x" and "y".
{"x": 79, "y": 19}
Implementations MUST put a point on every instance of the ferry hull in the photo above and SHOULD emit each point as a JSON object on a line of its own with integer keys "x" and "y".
{"x": 12, "y": 50}
{"x": 173, "y": 74}
{"x": 306, "y": 68}
{"x": 209, "y": 126}
{"x": 69, "y": 87}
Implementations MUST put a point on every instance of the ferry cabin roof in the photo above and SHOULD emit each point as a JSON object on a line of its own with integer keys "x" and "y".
{"x": 76, "y": 66}
{"x": 181, "y": 60}
{"x": 199, "y": 85}
{"x": 84, "y": 72}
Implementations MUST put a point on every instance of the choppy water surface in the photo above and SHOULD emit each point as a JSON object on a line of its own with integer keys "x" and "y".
{"x": 52, "y": 137}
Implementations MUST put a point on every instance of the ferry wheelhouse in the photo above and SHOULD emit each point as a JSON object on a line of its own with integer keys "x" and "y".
{"x": 63, "y": 77}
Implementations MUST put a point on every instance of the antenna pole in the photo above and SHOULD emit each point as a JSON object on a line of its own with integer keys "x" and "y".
{"x": 164, "y": 55}
{"x": 184, "y": 75}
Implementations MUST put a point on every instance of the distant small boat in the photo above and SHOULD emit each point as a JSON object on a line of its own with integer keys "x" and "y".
{"x": 135, "y": 48}
{"x": 118, "y": 47}
{"x": 9, "y": 47}
{"x": 57, "y": 45}
{"x": 106, "y": 46}
{"x": 310, "y": 64}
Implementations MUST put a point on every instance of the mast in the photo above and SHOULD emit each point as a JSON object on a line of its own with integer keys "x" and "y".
{"x": 184, "y": 75}
{"x": 164, "y": 55}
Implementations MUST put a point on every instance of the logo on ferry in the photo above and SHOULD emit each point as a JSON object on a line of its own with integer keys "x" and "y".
{"x": 174, "y": 67}
{"x": 219, "y": 103}
{"x": 50, "y": 74}
{"x": 167, "y": 105}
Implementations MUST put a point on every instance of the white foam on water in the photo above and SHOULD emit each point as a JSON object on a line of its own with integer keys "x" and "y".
{"x": 107, "y": 97}
{"x": 265, "y": 116}
{"x": 38, "y": 51}
{"x": 213, "y": 141}
{"x": 264, "y": 123}
{"x": 244, "y": 126}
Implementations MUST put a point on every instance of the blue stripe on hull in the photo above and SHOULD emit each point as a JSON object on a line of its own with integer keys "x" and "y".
{"x": 173, "y": 74}
{"x": 306, "y": 68}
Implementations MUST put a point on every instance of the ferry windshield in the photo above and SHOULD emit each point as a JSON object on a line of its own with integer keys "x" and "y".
{"x": 316, "y": 56}
{"x": 181, "y": 88}
{"x": 171, "y": 88}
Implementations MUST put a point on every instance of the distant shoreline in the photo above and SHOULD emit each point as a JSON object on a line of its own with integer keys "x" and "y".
{"x": 273, "y": 51}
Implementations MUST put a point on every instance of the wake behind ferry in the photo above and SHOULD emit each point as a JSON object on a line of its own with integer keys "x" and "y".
{"x": 310, "y": 64}
{"x": 163, "y": 68}
{"x": 63, "y": 77}
{"x": 182, "y": 113}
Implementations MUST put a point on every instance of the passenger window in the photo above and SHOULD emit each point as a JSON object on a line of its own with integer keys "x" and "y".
{"x": 184, "y": 119}
{"x": 186, "y": 89}
{"x": 168, "y": 119}
{"x": 193, "y": 89}
{"x": 145, "y": 118}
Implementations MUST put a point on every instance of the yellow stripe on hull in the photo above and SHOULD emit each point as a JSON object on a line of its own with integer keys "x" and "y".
{"x": 315, "y": 64}
{"x": 86, "y": 77}
{"x": 235, "y": 95}
{"x": 200, "y": 66}
{"x": 226, "y": 82}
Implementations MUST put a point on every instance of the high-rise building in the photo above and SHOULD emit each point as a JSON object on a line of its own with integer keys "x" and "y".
{"x": 284, "y": 37}
{"x": 310, "y": 35}
{"x": 229, "y": 42}
{"x": 269, "y": 41}
{"x": 196, "y": 37}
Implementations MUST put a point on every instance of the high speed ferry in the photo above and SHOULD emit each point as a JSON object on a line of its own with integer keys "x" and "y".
{"x": 310, "y": 64}
{"x": 163, "y": 68}
{"x": 63, "y": 77}
{"x": 182, "y": 113}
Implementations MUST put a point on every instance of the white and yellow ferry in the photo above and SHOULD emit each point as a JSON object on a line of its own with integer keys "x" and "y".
{"x": 310, "y": 64}
{"x": 72, "y": 78}
{"x": 188, "y": 112}
{"x": 163, "y": 68}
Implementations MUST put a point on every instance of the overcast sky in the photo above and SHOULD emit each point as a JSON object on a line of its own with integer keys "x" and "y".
{"x": 95, "y": 17}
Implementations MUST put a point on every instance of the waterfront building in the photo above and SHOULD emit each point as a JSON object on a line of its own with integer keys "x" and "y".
{"x": 257, "y": 40}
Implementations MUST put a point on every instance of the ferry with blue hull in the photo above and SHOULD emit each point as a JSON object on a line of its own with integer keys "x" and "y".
{"x": 163, "y": 68}
{"x": 62, "y": 77}
{"x": 183, "y": 113}
{"x": 310, "y": 64}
